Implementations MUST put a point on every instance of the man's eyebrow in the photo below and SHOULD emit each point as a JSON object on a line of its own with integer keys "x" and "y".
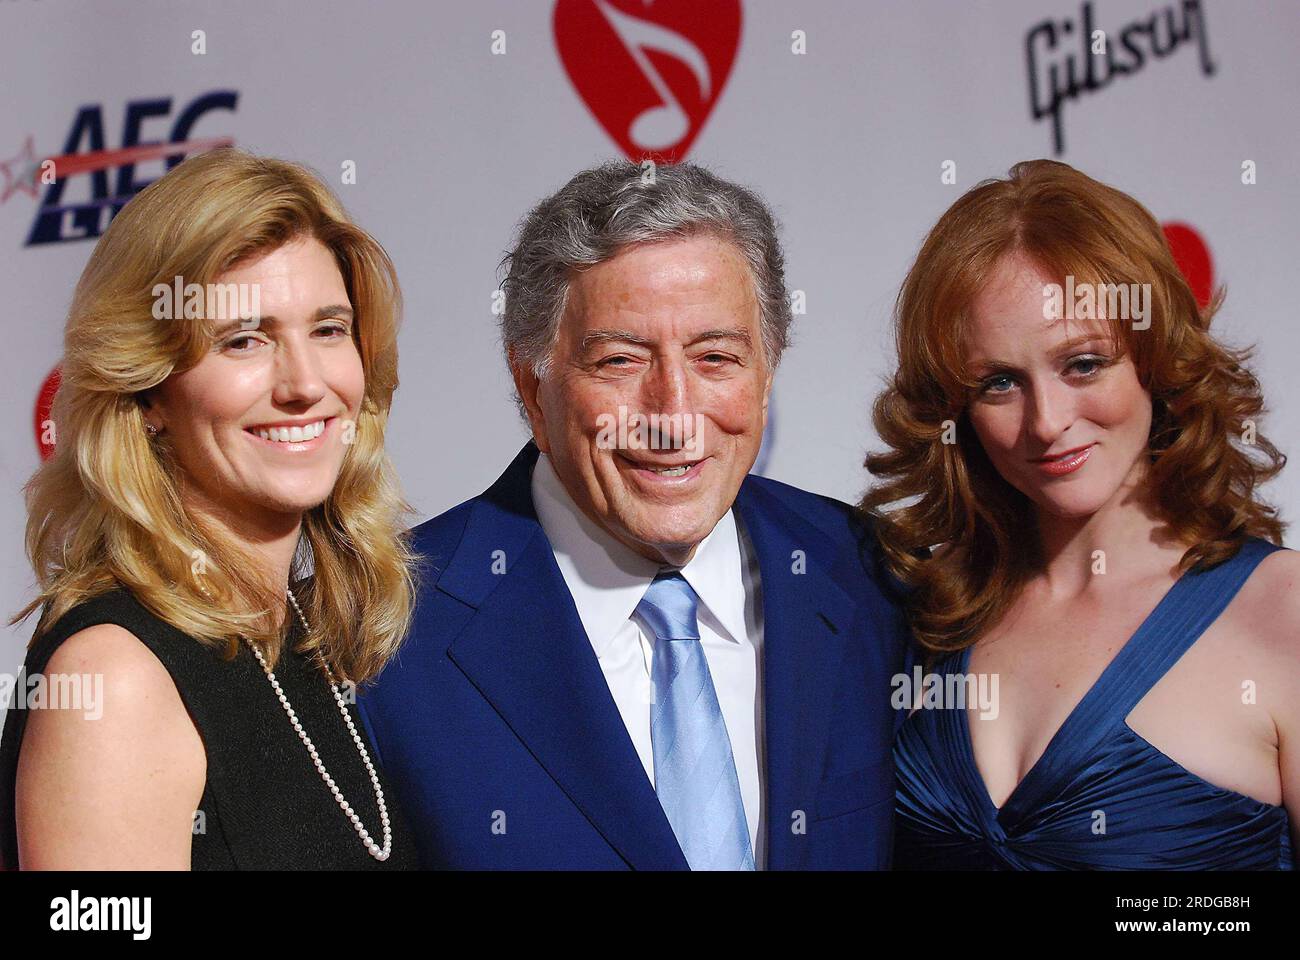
{"x": 741, "y": 335}
{"x": 340, "y": 310}
{"x": 593, "y": 337}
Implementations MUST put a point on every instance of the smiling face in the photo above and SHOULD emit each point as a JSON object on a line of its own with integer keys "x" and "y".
{"x": 664, "y": 330}
{"x": 258, "y": 425}
{"x": 1062, "y": 418}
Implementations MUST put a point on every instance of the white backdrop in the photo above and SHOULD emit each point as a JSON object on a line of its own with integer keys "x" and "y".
{"x": 454, "y": 138}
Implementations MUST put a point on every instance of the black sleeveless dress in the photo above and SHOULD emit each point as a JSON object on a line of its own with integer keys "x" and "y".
{"x": 264, "y": 805}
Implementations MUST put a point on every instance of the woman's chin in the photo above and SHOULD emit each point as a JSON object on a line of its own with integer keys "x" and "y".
{"x": 1076, "y": 506}
{"x": 290, "y": 502}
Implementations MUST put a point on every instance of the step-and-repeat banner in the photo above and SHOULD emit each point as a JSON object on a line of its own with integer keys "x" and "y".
{"x": 441, "y": 123}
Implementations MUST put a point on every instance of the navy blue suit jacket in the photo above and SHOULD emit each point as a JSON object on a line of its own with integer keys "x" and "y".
{"x": 505, "y": 748}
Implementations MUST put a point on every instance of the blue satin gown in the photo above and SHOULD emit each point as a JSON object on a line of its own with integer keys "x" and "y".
{"x": 1100, "y": 797}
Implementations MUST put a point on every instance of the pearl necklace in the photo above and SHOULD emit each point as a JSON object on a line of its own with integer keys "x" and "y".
{"x": 376, "y": 851}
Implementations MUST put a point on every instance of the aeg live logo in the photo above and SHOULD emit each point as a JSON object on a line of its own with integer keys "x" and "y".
{"x": 87, "y": 159}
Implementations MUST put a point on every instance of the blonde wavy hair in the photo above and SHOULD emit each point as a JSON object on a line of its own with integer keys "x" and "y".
{"x": 1203, "y": 477}
{"x": 106, "y": 510}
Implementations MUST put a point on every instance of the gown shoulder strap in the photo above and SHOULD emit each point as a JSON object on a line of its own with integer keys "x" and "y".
{"x": 1193, "y": 603}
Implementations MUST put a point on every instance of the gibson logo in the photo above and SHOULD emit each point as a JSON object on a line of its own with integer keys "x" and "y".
{"x": 1067, "y": 58}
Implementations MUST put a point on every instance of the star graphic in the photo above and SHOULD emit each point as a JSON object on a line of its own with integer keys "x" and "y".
{"x": 20, "y": 172}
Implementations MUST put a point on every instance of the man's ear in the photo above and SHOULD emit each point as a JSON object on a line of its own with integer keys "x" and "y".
{"x": 528, "y": 385}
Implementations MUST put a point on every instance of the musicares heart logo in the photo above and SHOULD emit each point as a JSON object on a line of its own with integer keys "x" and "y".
{"x": 650, "y": 73}
{"x": 1192, "y": 255}
{"x": 45, "y": 436}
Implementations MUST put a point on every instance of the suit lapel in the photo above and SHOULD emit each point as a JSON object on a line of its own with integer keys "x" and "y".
{"x": 806, "y": 618}
{"x": 526, "y": 652}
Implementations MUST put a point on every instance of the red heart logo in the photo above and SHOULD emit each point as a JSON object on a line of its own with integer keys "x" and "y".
{"x": 44, "y": 405}
{"x": 650, "y": 74}
{"x": 1192, "y": 255}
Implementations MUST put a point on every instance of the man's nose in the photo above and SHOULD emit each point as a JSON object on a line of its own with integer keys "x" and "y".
{"x": 665, "y": 397}
{"x": 664, "y": 389}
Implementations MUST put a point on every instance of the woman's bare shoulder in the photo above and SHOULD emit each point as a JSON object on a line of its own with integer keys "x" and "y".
{"x": 1264, "y": 633}
{"x": 116, "y": 653}
{"x": 111, "y": 778}
{"x": 129, "y": 693}
{"x": 1272, "y": 604}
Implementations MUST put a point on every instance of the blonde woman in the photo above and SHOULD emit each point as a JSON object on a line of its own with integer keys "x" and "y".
{"x": 229, "y": 364}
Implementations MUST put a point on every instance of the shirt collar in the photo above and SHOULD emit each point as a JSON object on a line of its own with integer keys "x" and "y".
{"x": 607, "y": 579}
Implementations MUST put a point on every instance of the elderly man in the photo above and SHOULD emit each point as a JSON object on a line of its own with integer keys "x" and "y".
{"x": 627, "y": 652}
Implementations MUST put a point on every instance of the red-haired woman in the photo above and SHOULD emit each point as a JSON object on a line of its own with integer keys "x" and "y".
{"x": 1071, "y": 495}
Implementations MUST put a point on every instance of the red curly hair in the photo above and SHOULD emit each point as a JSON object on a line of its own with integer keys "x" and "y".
{"x": 1206, "y": 457}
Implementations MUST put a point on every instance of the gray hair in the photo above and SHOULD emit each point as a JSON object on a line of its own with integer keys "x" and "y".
{"x": 619, "y": 203}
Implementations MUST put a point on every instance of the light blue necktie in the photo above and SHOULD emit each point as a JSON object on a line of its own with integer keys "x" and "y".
{"x": 695, "y": 772}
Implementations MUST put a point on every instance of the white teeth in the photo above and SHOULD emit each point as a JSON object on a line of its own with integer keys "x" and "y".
{"x": 673, "y": 471}
{"x": 292, "y": 434}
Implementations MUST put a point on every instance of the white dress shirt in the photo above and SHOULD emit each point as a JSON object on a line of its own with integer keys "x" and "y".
{"x": 607, "y": 580}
